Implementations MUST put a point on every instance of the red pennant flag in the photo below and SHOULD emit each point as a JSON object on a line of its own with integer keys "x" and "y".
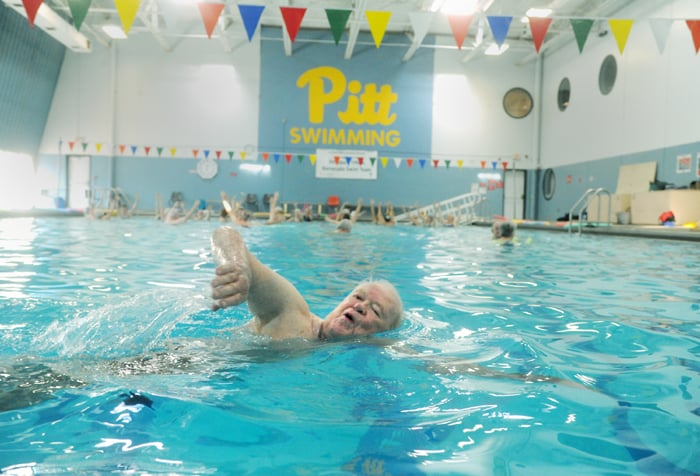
{"x": 337, "y": 160}
{"x": 288, "y": 157}
{"x": 266, "y": 155}
{"x": 210, "y": 15}
{"x": 147, "y": 149}
{"x": 292, "y": 17}
{"x": 360, "y": 160}
{"x": 195, "y": 152}
{"x": 435, "y": 163}
{"x": 505, "y": 165}
{"x": 121, "y": 148}
{"x": 694, "y": 26}
{"x": 538, "y": 28}
{"x": 71, "y": 144}
{"x": 409, "y": 162}
{"x": 483, "y": 164}
{"x": 218, "y": 154}
{"x": 460, "y": 27}
{"x": 32, "y": 6}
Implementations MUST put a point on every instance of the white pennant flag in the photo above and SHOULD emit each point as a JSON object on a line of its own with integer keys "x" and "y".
{"x": 420, "y": 21}
{"x": 660, "y": 27}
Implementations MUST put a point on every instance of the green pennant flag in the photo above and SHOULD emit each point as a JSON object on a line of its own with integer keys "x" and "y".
{"x": 582, "y": 27}
{"x": 160, "y": 151}
{"x": 373, "y": 160}
{"x": 337, "y": 20}
{"x": 78, "y": 10}
{"x": 447, "y": 164}
{"x": 84, "y": 144}
{"x": 230, "y": 155}
{"x": 300, "y": 158}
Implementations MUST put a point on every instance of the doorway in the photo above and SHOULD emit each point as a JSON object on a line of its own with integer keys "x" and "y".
{"x": 78, "y": 181}
{"x": 514, "y": 194}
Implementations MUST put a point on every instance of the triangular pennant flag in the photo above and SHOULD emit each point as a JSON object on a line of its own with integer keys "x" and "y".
{"x": 360, "y": 160}
{"x": 122, "y": 147}
{"x": 499, "y": 27}
{"x": 422, "y": 163}
{"x": 312, "y": 158}
{"x": 78, "y": 10}
{"x": 447, "y": 163}
{"x": 98, "y": 146}
{"x": 127, "y": 12}
{"x": 266, "y": 156}
{"x": 436, "y": 162}
{"x": 372, "y": 160}
{"x": 195, "y": 152}
{"x": 483, "y": 164}
{"x": 251, "y": 17}
{"x": 84, "y": 144}
{"x": 505, "y": 165}
{"x": 300, "y": 158}
{"x": 378, "y": 21}
{"x": 210, "y": 15}
{"x": 494, "y": 164}
{"x": 288, "y": 157}
{"x": 460, "y": 162}
{"x": 420, "y": 22}
{"x": 133, "y": 149}
{"x": 409, "y": 162}
{"x": 348, "y": 160}
{"x": 397, "y": 162}
{"x": 538, "y": 28}
{"x": 336, "y": 159}
{"x": 337, "y": 19}
{"x": 206, "y": 153}
{"x": 243, "y": 154}
{"x": 292, "y": 17}
{"x": 159, "y": 150}
{"x": 218, "y": 155}
{"x": 147, "y": 149}
{"x": 173, "y": 151}
{"x": 581, "y": 27}
{"x": 71, "y": 144}
{"x": 660, "y": 28}
{"x": 31, "y": 7}
{"x": 230, "y": 154}
{"x": 276, "y": 157}
{"x": 459, "y": 24}
{"x": 621, "y": 31}
{"x": 694, "y": 26}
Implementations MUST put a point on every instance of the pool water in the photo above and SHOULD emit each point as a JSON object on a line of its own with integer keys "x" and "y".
{"x": 564, "y": 354}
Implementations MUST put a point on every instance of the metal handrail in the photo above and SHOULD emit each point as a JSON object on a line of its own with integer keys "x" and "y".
{"x": 583, "y": 202}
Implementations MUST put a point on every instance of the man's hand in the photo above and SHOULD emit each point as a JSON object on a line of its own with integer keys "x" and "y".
{"x": 230, "y": 286}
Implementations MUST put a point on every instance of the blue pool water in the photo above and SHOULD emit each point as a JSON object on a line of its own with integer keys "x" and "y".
{"x": 575, "y": 355}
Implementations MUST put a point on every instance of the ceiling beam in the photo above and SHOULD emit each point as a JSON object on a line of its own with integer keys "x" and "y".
{"x": 357, "y": 14}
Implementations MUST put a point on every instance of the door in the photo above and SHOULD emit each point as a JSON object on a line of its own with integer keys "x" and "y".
{"x": 514, "y": 194}
{"x": 78, "y": 181}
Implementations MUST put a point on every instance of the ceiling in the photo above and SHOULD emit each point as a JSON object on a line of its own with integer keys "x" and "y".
{"x": 171, "y": 22}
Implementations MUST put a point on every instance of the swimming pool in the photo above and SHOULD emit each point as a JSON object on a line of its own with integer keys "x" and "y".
{"x": 566, "y": 354}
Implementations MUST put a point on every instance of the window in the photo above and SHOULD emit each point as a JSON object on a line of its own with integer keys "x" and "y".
{"x": 564, "y": 94}
{"x": 607, "y": 75}
{"x": 548, "y": 184}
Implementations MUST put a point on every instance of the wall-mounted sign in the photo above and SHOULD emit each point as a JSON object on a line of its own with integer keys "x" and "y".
{"x": 346, "y": 164}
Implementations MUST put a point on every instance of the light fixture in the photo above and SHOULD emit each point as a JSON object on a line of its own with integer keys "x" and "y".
{"x": 114, "y": 31}
{"x": 495, "y": 50}
{"x": 52, "y": 23}
{"x": 454, "y": 7}
{"x": 538, "y": 12}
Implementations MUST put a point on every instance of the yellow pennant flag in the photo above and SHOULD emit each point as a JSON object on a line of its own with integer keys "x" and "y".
{"x": 378, "y": 21}
{"x": 621, "y": 31}
{"x": 384, "y": 160}
{"x": 460, "y": 163}
{"x": 243, "y": 154}
{"x": 172, "y": 151}
{"x": 127, "y": 12}
{"x": 98, "y": 147}
{"x": 312, "y": 158}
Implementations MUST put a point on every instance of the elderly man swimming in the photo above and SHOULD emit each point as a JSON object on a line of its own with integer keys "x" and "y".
{"x": 279, "y": 310}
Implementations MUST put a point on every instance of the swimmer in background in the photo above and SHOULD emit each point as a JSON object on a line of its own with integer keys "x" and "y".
{"x": 279, "y": 310}
{"x": 174, "y": 217}
{"x": 503, "y": 231}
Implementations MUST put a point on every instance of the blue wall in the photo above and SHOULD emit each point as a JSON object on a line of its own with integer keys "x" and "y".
{"x": 604, "y": 173}
{"x": 30, "y": 61}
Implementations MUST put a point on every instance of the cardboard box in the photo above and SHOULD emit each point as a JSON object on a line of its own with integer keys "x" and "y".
{"x": 647, "y": 206}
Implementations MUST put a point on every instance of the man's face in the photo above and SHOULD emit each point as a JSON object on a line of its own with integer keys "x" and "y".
{"x": 370, "y": 308}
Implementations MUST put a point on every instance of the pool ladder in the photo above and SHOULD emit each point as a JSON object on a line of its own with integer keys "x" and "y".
{"x": 465, "y": 205}
{"x": 582, "y": 204}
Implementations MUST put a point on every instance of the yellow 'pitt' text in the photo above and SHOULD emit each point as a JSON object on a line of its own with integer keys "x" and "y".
{"x": 365, "y": 105}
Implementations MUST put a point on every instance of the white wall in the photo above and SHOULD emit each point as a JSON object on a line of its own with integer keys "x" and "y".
{"x": 654, "y": 102}
{"x": 138, "y": 94}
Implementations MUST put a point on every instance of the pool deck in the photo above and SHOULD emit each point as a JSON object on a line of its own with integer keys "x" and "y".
{"x": 641, "y": 231}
